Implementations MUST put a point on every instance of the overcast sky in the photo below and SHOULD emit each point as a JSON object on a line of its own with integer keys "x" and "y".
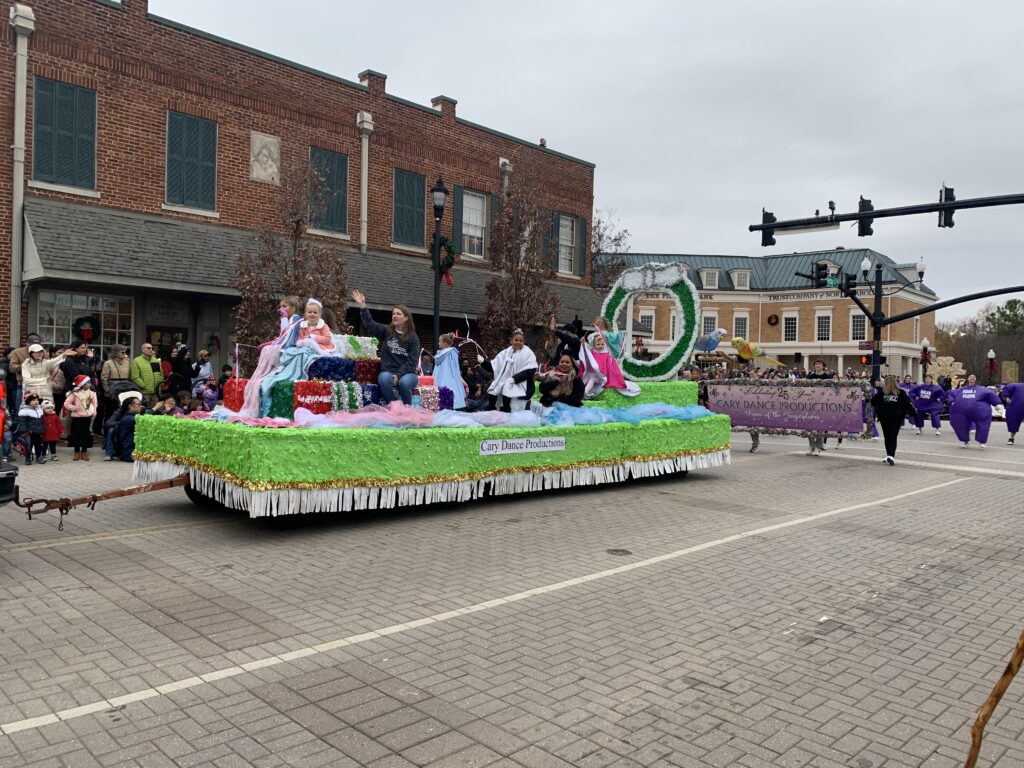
{"x": 698, "y": 114}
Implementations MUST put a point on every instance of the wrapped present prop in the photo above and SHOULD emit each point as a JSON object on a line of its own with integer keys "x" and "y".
{"x": 357, "y": 347}
{"x": 429, "y": 397}
{"x": 332, "y": 369}
{"x": 367, "y": 371}
{"x": 315, "y": 396}
{"x": 282, "y": 400}
{"x": 370, "y": 394}
{"x": 426, "y": 381}
{"x": 348, "y": 396}
{"x": 446, "y": 398}
{"x": 234, "y": 394}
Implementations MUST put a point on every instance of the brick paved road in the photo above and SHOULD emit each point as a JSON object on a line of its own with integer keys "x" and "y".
{"x": 736, "y": 632}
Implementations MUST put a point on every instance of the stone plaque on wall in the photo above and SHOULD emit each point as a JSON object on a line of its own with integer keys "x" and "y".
{"x": 264, "y": 158}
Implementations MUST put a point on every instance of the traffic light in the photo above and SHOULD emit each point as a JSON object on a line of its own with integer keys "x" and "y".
{"x": 820, "y": 274}
{"x": 767, "y": 235}
{"x": 865, "y": 359}
{"x": 864, "y": 225}
{"x": 946, "y": 196}
{"x": 849, "y": 282}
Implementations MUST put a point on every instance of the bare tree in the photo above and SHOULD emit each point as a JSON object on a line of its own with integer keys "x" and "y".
{"x": 608, "y": 242}
{"x": 287, "y": 262}
{"x": 523, "y": 249}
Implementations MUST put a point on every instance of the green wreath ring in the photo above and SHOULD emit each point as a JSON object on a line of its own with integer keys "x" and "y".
{"x": 447, "y": 254}
{"x": 653, "y": 277}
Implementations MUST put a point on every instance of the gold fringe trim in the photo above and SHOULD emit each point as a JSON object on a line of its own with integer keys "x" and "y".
{"x": 379, "y": 482}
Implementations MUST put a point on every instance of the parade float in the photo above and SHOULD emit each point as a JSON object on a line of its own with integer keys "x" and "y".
{"x": 322, "y": 441}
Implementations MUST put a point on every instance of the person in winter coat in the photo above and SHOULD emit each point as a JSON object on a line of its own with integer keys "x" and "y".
{"x": 77, "y": 362}
{"x": 562, "y": 385}
{"x": 30, "y": 422}
{"x": 927, "y": 399}
{"x": 80, "y": 405}
{"x": 514, "y": 369}
{"x": 53, "y": 429}
{"x": 110, "y": 425}
{"x": 126, "y": 428}
{"x": 147, "y": 374}
{"x": 116, "y": 377}
{"x": 37, "y": 371}
{"x": 970, "y": 406}
{"x": 892, "y": 405}
{"x": 399, "y": 353}
{"x": 210, "y": 394}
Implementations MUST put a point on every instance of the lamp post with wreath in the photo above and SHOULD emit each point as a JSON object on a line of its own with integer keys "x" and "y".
{"x": 439, "y": 196}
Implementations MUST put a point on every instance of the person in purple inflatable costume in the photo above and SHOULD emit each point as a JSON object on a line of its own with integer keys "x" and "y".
{"x": 970, "y": 406}
{"x": 1014, "y": 396}
{"x": 927, "y": 399}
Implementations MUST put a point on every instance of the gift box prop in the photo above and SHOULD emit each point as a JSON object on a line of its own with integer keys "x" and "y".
{"x": 234, "y": 394}
{"x": 314, "y": 396}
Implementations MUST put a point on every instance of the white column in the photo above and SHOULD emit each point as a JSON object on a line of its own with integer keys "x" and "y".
{"x": 24, "y": 22}
{"x": 840, "y": 368}
{"x": 365, "y": 122}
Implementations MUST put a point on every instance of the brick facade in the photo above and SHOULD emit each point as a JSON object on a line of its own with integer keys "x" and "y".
{"x": 142, "y": 67}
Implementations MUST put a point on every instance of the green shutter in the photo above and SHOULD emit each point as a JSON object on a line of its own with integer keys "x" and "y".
{"x": 581, "y": 246}
{"x": 409, "y": 202}
{"x": 85, "y": 139}
{"x": 191, "y": 161}
{"x": 457, "y": 219}
{"x": 333, "y": 169}
{"x": 175, "y": 158}
{"x": 64, "y": 137}
{"x": 44, "y": 128}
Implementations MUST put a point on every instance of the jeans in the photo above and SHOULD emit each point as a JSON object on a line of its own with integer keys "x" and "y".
{"x": 108, "y": 440}
{"x": 406, "y": 384}
{"x": 8, "y": 440}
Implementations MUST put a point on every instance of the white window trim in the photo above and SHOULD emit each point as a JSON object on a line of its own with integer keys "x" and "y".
{"x": 820, "y": 312}
{"x": 744, "y": 313}
{"x": 64, "y": 189}
{"x": 706, "y": 314}
{"x": 736, "y": 272}
{"x": 795, "y": 314}
{"x": 328, "y": 233}
{"x": 409, "y": 248}
{"x": 917, "y": 330}
{"x": 704, "y": 274}
{"x": 673, "y": 325}
{"x": 854, "y": 314}
{"x": 192, "y": 211}
{"x": 487, "y": 225}
{"x": 575, "y": 247}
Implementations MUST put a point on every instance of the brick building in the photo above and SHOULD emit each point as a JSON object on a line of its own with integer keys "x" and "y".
{"x": 147, "y": 154}
{"x": 760, "y": 298}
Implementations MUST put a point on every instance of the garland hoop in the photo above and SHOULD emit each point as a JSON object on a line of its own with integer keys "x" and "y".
{"x": 669, "y": 278}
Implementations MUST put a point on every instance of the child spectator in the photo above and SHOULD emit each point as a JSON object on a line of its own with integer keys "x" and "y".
{"x": 110, "y": 446}
{"x": 30, "y": 422}
{"x": 52, "y": 429}
{"x": 165, "y": 406}
{"x": 210, "y": 394}
{"x": 225, "y": 374}
{"x": 183, "y": 401}
{"x": 126, "y": 428}
{"x": 80, "y": 405}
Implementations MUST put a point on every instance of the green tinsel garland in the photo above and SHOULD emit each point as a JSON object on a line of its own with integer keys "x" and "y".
{"x": 282, "y": 400}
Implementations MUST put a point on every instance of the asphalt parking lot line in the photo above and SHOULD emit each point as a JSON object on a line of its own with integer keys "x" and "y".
{"x": 79, "y": 711}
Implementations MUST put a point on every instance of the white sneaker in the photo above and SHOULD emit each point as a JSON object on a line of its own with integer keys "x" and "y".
{"x": 981, "y": 446}
{"x": 964, "y": 445}
{"x": 919, "y": 431}
{"x": 890, "y": 460}
{"x": 938, "y": 432}
{"x": 875, "y": 438}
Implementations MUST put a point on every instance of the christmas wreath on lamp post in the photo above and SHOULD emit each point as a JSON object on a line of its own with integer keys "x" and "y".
{"x": 447, "y": 260}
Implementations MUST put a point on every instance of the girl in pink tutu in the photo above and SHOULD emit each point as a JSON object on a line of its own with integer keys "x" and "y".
{"x": 606, "y": 348}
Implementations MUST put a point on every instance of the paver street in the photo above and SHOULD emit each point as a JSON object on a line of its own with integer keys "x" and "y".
{"x": 785, "y": 611}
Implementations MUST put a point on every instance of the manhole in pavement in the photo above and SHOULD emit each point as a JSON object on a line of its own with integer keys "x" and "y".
{"x": 618, "y": 552}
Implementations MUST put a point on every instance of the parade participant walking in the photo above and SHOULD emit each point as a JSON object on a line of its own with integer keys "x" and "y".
{"x": 400, "y": 352}
{"x": 892, "y": 405}
{"x": 80, "y": 405}
{"x": 927, "y": 399}
{"x": 513, "y": 368}
{"x": 816, "y": 442}
{"x": 970, "y": 407}
{"x": 1014, "y": 396}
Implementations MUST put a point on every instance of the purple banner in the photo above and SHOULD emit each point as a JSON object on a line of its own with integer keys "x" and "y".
{"x": 794, "y": 407}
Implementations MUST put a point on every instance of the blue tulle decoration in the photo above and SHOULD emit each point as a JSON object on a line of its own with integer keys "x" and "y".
{"x": 371, "y": 394}
{"x": 332, "y": 369}
{"x": 445, "y": 398}
{"x": 566, "y": 416}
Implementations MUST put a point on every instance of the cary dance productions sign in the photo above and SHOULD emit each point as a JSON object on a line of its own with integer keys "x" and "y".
{"x": 791, "y": 407}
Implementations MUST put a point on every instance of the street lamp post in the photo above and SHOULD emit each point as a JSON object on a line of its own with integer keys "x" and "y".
{"x": 438, "y": 196}
{"x": 925, "y": 357}
{"x": 991, "y": 366}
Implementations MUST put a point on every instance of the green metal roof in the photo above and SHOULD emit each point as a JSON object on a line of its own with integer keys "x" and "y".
{"x": 769, "y": 273}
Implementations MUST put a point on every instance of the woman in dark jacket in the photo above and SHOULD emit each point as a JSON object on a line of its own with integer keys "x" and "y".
{"x": 180, "y": 378}
{"x": 76, "y": 363}
{"x": 399, "y": 350}
{"x": 562, "y": 385}
{"x": 892, "y": 405}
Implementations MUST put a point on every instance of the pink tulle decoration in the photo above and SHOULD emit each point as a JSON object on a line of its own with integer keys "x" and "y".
{"x": 394, "y": 415}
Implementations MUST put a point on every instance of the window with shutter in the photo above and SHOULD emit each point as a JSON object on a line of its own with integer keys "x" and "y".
{"x": 191, "y": 161}
{"x": 567, "y": 245}
{"x": 331, "y": 212}
{"x": 409, "y": 203}
{"x": 64, "y": 134}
